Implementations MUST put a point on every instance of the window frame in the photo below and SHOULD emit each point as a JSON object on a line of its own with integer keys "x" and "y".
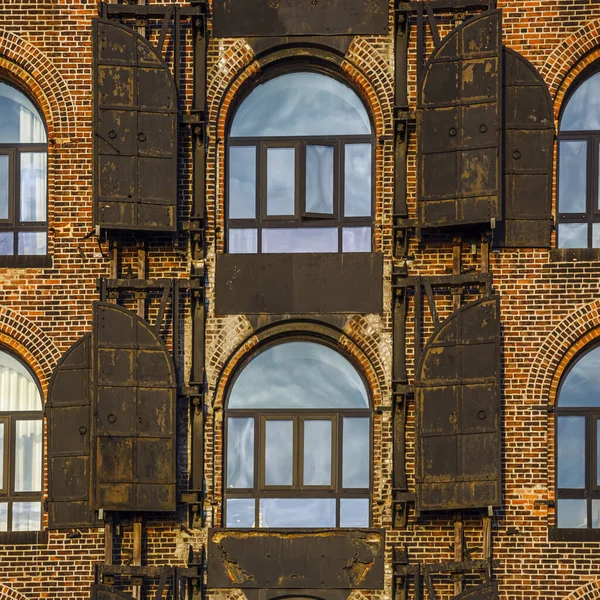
{"x": 298, "y": 490}
{"x": 302, "y": 219}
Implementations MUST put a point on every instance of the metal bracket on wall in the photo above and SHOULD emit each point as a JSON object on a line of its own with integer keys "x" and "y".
{"x": 402, "y": 573}
{"x": 189, "y": 581}
{"x": 132, "y": 576}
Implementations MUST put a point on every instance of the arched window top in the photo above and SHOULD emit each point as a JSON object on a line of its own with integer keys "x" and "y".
{"x": 301, "y": 104}
{"x": 20, "y": 121}
{"x": 581, "y": 385}
{"x": 299, "y": 375}
{"x": 582, "y": 112}
{"x": 18, "y": 390}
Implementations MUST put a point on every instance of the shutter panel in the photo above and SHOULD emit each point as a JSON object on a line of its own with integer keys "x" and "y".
{"x": 458, "y": 403}
{"x": 134, "y": 407}
{"x": 135, "y": 129}
{"x": 458, "y": 125}
{"x": 528, "y": 150}
{"x": 488, "y": 591}
{"x": 68, "y": 411}
{"x": 102, "y": 592}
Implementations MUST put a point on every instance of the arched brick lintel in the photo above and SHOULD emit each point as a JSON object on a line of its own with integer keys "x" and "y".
{"x": 576, "y": 331}
{"x": 589, "y": 591}
{"x": 29, "y": 342}
{"x": 33, "y": 68}
{"x": 7, "y": 593}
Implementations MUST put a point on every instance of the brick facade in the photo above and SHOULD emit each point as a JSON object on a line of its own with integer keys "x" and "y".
{"x": 550, "y": 307}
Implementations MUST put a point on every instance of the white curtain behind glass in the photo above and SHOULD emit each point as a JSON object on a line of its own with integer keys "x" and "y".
{"x": 31, "y": 128}
{"x": 28, "y": 456}
{"x": 17, "y": 392}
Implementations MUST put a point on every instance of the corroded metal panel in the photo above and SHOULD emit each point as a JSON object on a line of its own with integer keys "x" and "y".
{"x": 135, "y": 132}
{"x": 68, "y": 412}
{"x": 487, "y": 591}
{"x": 102, "y": 592}
{"x": 252, "y": 18}
{"x": 458, "y": 411}
{"x": 299, "y": 283}
{"x": 459, "y": 125}
{"x": 528, "y": 150}
{"x": 134, "y": 414}
{"x": 351, "y": 559}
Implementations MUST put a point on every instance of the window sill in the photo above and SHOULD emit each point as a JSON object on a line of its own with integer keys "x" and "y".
{"x": 24, "y": 537}
{"x": 574, "y": 254}
{"x": 26, "y": 262}
{"x": 573, "y": 535}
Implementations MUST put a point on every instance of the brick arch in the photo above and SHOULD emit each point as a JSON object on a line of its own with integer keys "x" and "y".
{"x": 30, "y": 65}
{"x": 589, "y": 591}
{"x": 575, "y": 332}
{"x": 566, "y": 55}
{"x": 7, "y": 593}
{"x": 28, "y": 341}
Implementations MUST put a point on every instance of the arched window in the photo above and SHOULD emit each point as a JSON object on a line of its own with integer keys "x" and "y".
{"x": 578, "y": 444}
{"x": 23, "y": 175}
{"x": 20, "y": 447}
{"x": 298, "y": 439}
{"x": 300, "y": 168}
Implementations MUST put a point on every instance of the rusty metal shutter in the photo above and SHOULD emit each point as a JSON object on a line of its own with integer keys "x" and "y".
{"x": 68, "y": 412}
{"x": 487, "y": 591}
{"x": 135, "y": 131}
{"x": 458, "y": 404}
{"x": 102, "y": 592}
{"x": 458, "y": 125}
{"x": 133, "y": 432}
{"x": 528, "y": 150}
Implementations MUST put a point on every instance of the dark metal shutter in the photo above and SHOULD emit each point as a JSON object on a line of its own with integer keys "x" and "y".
{"x": 68, "y": 412}
{"x": 488, "y": 591}
{"x": 134, "y": 392}
{"x": 458, "y": 125}
{"x": 102, "y": 592}
{"x": 528, "y": 150}
{"x": 458, "y": 404}
{"x": 135, "y": 130}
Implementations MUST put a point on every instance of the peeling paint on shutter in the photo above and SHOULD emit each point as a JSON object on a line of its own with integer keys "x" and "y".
{"x": 458, "y": 126}
{"x": 135, "y": 130}
{"x": 528, "y": 155}
{"x": 68, "y": 411}
{"x": 458, "y": 411}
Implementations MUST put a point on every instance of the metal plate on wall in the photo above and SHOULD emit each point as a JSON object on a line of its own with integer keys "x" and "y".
{"x": 252, "y": 18}
{"x": 299, "y": 283}
{"x": 135, "y": 132}
{"x": 458, "y": 126}
{"x": 103, "y": 592}
{"x": 337, "y": 559}
{"x": 458, "y": 411}
{"x": 487, "y": 591}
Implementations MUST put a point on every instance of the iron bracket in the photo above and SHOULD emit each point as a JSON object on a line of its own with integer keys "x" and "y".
{"x": 193, "y": 576}
{"x": 400, "y": 502}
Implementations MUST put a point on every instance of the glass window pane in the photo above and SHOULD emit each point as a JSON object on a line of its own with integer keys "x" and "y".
{"x": 26, "y": 516}
{"x": 297, "y": 512}
{"x": 3, "y": 516}
{"x": 3, "y": 186}
{"x": 281, "y": 179}
{"x": 583, "y": 108}
{"x": 595, "y": 513}
{"x": 357, "y": 180}
{"x": 319, "y": 179}
{"x": 18, "y": 391}
{"x": 20, "y": 122}
{"x": 7, "y": 244}
{"x": 301, "y": 104}
{"x": 317, "y": 452}
{"x": 356, "y": 455}
{"x": 308, "y": 239}
{"x": 354, "y": 512}
{"x": 571, "y": 452}
{"x": 32, "y": 243}
{"x": 279, "y": 452}
{"x": 595, "y": 235}
{"x": 597, "y": 452}
{"x": 572, "y": 514}
{"x": 299, "y": 375}
{"x": 572, "y": 176}
{"x": 243, "y": 241}
{"x": 28, "y": 456}
{"x": 242, "y": 182}
{"x": 581, "y": 386}
{"x": 240, "y": 452}
{"x": 240, "y": 512}
{"x": 2, "y": 455}
{"x": 356, "y": 239}
{"x": 33, "y": 186}
{"x": 572, "y": 235}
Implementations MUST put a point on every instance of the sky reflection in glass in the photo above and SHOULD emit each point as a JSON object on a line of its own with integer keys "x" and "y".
{"x": 301, "y": 104}
{"x": 582, "y": 112}
{"x": 279, "y": 452}
{"x": 581, "y": 386}
{"x": 297, "y": 512}
{"x": 299, "y": 375}
{"x": 571, "y": 452}
{"x": 240, "y": 452}
{"x": 20, "y": 122}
